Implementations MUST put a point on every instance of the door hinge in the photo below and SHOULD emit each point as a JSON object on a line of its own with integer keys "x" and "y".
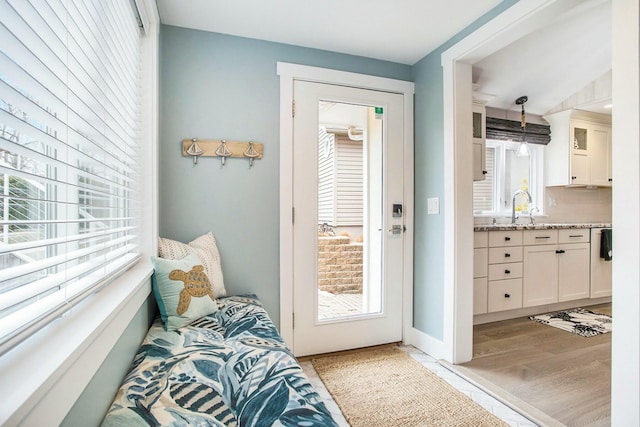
{"x": 293, "y": 108}
{"x": 293, "y": 215}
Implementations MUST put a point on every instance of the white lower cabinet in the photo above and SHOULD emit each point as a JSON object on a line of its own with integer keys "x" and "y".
{"x": 504, "y": 295}
{"x": 527, "y": 268}
{"x": 573, "y": 271}
{"x": 540, "y": 284}
{"x": 557, "y": 272}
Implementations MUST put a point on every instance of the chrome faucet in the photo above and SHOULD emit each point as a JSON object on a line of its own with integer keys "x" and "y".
{"x": 513, "y": 204}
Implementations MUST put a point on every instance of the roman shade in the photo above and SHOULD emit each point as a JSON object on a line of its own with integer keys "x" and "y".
{"x": 69, "y": 138}
{"x": 504, "y": 130}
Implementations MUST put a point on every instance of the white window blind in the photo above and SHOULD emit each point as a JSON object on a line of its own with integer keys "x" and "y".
{"x": 69, "y": 138}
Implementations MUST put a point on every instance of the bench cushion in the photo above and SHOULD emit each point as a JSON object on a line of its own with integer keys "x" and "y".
{"x": 228, "y": 368}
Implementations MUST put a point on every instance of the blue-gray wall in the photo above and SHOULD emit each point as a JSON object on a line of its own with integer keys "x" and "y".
{"x": 214, "y": 86}
{"x": 429, "y": 182}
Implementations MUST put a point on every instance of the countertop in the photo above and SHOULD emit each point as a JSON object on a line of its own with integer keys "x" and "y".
{"x": 542, "y": 226}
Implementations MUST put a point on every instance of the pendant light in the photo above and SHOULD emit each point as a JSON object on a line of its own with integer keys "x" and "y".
{"x": 523, "y": 149}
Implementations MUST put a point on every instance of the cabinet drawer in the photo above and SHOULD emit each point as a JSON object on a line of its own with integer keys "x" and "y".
{"x": 505, "y": 238}
{"x": 504, "y": 295}
{"x": 501, "y": 255}
{"x": 573, "y": 235}
{"x": 480, "y": 295}
{"x": 512, "y": 270}
{"x": 480, "y": 239}
{"x": 480, "y": 258}
{"x": 540, "y": 237}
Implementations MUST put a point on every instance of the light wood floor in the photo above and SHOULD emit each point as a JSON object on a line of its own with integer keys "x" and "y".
{"x": 564, "y": 375}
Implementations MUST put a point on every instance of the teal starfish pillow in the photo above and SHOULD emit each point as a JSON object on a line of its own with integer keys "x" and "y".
{"x": 182, "y": 290}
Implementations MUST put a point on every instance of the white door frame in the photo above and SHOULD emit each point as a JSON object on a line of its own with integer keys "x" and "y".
{"x": 522, "y": 18}
{"x": 288, "y": 73}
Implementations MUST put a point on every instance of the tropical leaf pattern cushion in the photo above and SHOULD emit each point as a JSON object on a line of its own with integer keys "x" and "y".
{"x": 230, "y": 368}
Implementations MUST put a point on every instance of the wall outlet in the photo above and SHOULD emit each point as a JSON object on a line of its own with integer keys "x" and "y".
{"x": 433, "y": 206}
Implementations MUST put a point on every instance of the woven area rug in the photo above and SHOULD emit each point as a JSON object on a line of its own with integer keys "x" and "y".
{"x": 386, "y": 387}
{"x": 579, "y": 321}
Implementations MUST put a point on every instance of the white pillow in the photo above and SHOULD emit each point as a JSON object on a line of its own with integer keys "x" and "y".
{"x": 206, "y": 249}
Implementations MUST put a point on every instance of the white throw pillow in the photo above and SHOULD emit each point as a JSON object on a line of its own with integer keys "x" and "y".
{"x": 206, "y": 249}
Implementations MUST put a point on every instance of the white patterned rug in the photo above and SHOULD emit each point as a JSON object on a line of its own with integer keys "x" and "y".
{"x": 579, "y": 321}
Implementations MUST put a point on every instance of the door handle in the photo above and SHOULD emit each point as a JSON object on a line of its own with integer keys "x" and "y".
{"x": 561, "y": 251}
{"x": 507, "y": 255}
{"x": 397, "y": 229}
{"x": 507, "y": 272}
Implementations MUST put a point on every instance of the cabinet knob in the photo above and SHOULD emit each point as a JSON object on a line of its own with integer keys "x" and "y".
{"x": 507, "y": 272}
{"x": 506, "y": 239}
{"x": 507, "y": 296}
{"x": 574, "y": 177}
{"x": 610, "y": 180}
{"x": 507, "y": 255}
{"x": 485, "y": 172}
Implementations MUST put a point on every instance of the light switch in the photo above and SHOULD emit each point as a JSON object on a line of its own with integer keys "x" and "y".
{"x": 433, "y": 206}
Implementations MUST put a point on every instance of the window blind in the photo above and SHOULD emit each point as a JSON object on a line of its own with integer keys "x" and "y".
{"x": 69, "y": 149}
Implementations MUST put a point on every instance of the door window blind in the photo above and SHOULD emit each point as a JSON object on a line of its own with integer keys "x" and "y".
{"x": 69, "y": 144}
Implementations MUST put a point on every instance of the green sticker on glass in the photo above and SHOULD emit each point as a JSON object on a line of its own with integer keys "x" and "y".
{"x": 379, "y": 110}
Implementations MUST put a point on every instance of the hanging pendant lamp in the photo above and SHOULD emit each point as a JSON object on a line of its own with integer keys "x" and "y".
{"x": 523, "y": 148}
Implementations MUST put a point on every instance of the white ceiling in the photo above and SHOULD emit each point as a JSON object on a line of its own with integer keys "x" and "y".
{"x": 399, "y": 31}
{"x": 551, "y": 64}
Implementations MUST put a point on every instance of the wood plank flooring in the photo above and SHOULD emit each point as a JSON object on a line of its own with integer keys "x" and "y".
{"x": 564, "y": 375}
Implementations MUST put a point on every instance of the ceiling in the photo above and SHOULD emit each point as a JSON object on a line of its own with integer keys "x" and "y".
{"x": 551, "y": 64}
{"x": 548, "y": 66}
{"x": 402, "y": 32}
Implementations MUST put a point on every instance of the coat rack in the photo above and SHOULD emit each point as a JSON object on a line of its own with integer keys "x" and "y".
{"x": 221, "y": 148}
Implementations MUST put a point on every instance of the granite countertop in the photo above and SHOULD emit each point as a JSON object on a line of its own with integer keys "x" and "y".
{"x": 541, "y": 226}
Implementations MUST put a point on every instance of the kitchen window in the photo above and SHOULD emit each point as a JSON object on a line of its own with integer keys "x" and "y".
{"x": 507, "y": 173}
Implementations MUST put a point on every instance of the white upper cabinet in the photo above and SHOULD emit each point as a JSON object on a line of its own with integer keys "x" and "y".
{"x": 579, "y": 153}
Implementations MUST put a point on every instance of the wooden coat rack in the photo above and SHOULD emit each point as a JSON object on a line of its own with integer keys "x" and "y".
{"x": 221, "y": 148}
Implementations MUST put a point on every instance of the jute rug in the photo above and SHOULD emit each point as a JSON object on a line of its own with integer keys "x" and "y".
{"x": 579, "y": 321}
{"x": 386, "y": 387}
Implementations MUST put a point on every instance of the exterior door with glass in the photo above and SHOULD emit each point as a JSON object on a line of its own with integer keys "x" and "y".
{"x": 348, "y": 227}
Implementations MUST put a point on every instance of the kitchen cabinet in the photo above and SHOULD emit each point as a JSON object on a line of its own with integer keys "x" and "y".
{"x": 600, "y": 269}
{"x": 480, "y": 269}
{"x": 504, "y": 285}
{"x": 556, "y": 266}
{"x": 479, "y": 142}
{"x": 579, "y": 153}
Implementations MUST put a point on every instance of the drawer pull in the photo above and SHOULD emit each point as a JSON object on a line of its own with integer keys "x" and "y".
{"x": 507, "y": 255}
{"x": 561, "y": 251}
{"x": 576, "y": 235}
{"x": 507, "y": 296}
{"x": 543, "y": 237}
{"x": 507, "y": 272}
{"x": 506, "y": 239}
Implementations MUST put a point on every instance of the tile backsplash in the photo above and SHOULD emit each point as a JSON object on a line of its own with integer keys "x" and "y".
{"x": 577, "y": 204}
{"x": 570, "y": 205}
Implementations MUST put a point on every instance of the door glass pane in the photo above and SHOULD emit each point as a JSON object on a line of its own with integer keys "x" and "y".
{"x": 349, "y": 211}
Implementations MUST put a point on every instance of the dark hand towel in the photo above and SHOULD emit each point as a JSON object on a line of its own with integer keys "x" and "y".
{"x": 605, "y": 244}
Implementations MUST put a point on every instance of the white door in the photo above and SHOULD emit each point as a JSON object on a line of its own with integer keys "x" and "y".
{"x": 348, "y": 227}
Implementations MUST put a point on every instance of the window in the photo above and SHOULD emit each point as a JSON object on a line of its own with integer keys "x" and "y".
{"x": 507, "y": 173}
{"x": 69, "y": 126}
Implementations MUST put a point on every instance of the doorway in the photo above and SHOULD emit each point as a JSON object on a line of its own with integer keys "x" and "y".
{"x": 377, "y": 306}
